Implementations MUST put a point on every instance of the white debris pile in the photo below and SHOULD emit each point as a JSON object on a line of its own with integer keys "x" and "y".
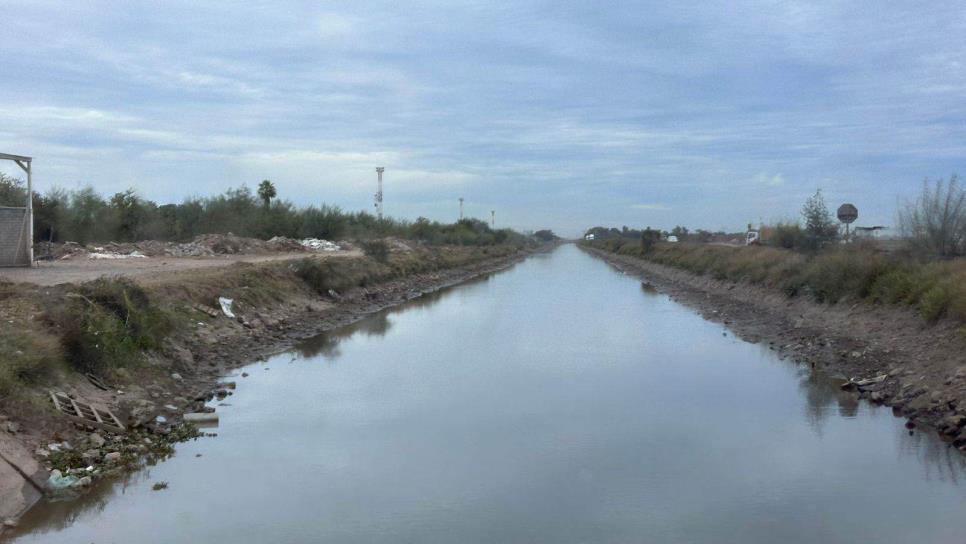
{"x": 111, "y": 255}
{"x": 316, "y": 244}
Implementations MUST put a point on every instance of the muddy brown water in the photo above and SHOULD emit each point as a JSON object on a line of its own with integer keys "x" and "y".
{"x": 557, "y": 401}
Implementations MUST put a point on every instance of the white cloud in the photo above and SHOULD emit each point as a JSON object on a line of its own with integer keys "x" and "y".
{"x": 650, "y": 207}
{"x": 771, "y": 180}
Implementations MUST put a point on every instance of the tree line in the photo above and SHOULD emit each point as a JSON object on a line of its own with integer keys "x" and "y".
{"x": 85, "y": 216}
{"x": 932, "y": 224}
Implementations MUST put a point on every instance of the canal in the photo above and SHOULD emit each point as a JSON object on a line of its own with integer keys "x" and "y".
{"x": 557, "y": 401}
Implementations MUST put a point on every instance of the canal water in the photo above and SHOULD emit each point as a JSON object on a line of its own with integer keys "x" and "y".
{"x": 556, "y": 401}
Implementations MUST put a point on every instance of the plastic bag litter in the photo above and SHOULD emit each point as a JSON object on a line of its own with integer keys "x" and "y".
{"x": 226, "y": 306}
{"x": 58, "y": 481}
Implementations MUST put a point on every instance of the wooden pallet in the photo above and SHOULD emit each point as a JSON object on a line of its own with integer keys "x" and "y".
{"x": 86, "y": 414}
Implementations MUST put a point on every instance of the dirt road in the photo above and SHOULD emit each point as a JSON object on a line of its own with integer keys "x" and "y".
{"x": 145, "y": 269}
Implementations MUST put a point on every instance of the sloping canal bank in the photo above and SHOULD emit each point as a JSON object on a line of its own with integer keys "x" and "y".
{"x": 891, "y": 356}
{"x": 152, "y": 353}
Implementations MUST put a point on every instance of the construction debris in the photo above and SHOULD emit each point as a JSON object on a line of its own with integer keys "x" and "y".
{"x": 316, "y": 244}
{"x": 86, "y": 414}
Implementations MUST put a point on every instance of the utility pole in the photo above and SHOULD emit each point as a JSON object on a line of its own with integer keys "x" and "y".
{"x": 379, "y": 171}
{"x": 461, "y": 208}
{"x": 492, "y": 218}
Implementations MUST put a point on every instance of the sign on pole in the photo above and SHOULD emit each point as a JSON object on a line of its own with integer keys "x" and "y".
{"x": 847, "y": 213}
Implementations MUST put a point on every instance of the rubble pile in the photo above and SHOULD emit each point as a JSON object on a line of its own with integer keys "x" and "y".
{"x": 316, "y": 244}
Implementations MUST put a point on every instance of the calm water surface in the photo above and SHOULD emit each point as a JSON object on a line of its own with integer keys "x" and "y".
{"x": 554, "y": 402}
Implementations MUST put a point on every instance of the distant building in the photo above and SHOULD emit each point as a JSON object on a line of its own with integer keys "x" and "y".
{"x": 589, "y": 237}
{"x": 868, "y": 232}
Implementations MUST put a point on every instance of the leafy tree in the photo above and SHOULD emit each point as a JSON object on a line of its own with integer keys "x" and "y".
{"x": 546, "y": 235}
{"x": 266, "y": 192}
{"x": 129, "y": 215}
{"x": 680, "y": 232}
{"x": 649, "y": 237}
{"x": 819, "y": 226}
{"x": 12, "y": 191}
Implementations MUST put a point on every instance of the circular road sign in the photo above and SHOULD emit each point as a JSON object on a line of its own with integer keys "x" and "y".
{"x": 848, "y": 213}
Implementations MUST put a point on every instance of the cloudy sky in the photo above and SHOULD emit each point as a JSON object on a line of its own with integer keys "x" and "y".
{"x": 560, "y": 114}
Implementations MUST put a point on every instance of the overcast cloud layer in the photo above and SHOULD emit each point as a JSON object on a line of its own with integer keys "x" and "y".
{"x": 555, "y": 114}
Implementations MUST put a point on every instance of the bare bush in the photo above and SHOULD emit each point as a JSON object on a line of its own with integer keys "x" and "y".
{"x": 936, "y": 220}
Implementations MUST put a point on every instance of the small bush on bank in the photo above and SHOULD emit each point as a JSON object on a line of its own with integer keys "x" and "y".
{"x": 29, "y": 359}
{"x": 377, "y": 250}
{"x": 108, "y": 324}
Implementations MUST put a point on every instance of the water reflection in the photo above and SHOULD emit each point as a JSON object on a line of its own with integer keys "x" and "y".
{"x": 822, "y": 394}
{"x": 377, "y": 324}
{"x": 56, "y": 515}
{"x": 327, "y": 344}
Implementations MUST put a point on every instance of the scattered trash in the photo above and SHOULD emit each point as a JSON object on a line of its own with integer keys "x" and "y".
{"x": 226, "y": 306}
{"x": 59, "y": 482}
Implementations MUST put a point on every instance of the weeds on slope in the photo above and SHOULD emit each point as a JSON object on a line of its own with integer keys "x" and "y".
{"x": 936, "y": 289}
{"x": 107, "y": 324}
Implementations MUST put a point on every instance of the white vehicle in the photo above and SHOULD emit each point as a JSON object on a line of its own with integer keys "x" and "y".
{"x": 673, "y": 239}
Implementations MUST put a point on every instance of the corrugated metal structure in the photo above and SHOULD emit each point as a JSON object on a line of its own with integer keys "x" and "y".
{"x": 13, "y": 237}
{"x": 16, "y": 223}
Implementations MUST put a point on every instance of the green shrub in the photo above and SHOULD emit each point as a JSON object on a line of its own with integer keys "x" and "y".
{"x": 108, "y": 324}
{"x": 935, "y": 302}
{"x": 378, "y": 250}
{"x": 29, "y": 358}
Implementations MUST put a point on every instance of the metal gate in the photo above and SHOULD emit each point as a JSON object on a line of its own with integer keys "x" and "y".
{"x": 17, "y": 224}
{"x": 14, "y": 236}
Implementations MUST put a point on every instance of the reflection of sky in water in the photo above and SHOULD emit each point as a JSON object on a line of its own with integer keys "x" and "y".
{"x": 555, "y": 402}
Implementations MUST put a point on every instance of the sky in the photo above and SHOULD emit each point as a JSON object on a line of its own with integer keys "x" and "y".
{"x": 555, "y": 114}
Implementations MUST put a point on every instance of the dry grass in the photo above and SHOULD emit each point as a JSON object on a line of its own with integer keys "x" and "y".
{"x": 936, "y": 289}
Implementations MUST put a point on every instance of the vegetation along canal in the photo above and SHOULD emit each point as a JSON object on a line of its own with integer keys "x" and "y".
{"x": 554, "y": 402}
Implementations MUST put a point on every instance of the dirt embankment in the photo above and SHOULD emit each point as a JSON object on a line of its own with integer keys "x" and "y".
{"x": 275, "y": 305}
{"x": 890, "y": 354}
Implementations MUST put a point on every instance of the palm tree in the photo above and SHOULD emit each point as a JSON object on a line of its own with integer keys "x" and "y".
{"x": 266, "y": 191}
